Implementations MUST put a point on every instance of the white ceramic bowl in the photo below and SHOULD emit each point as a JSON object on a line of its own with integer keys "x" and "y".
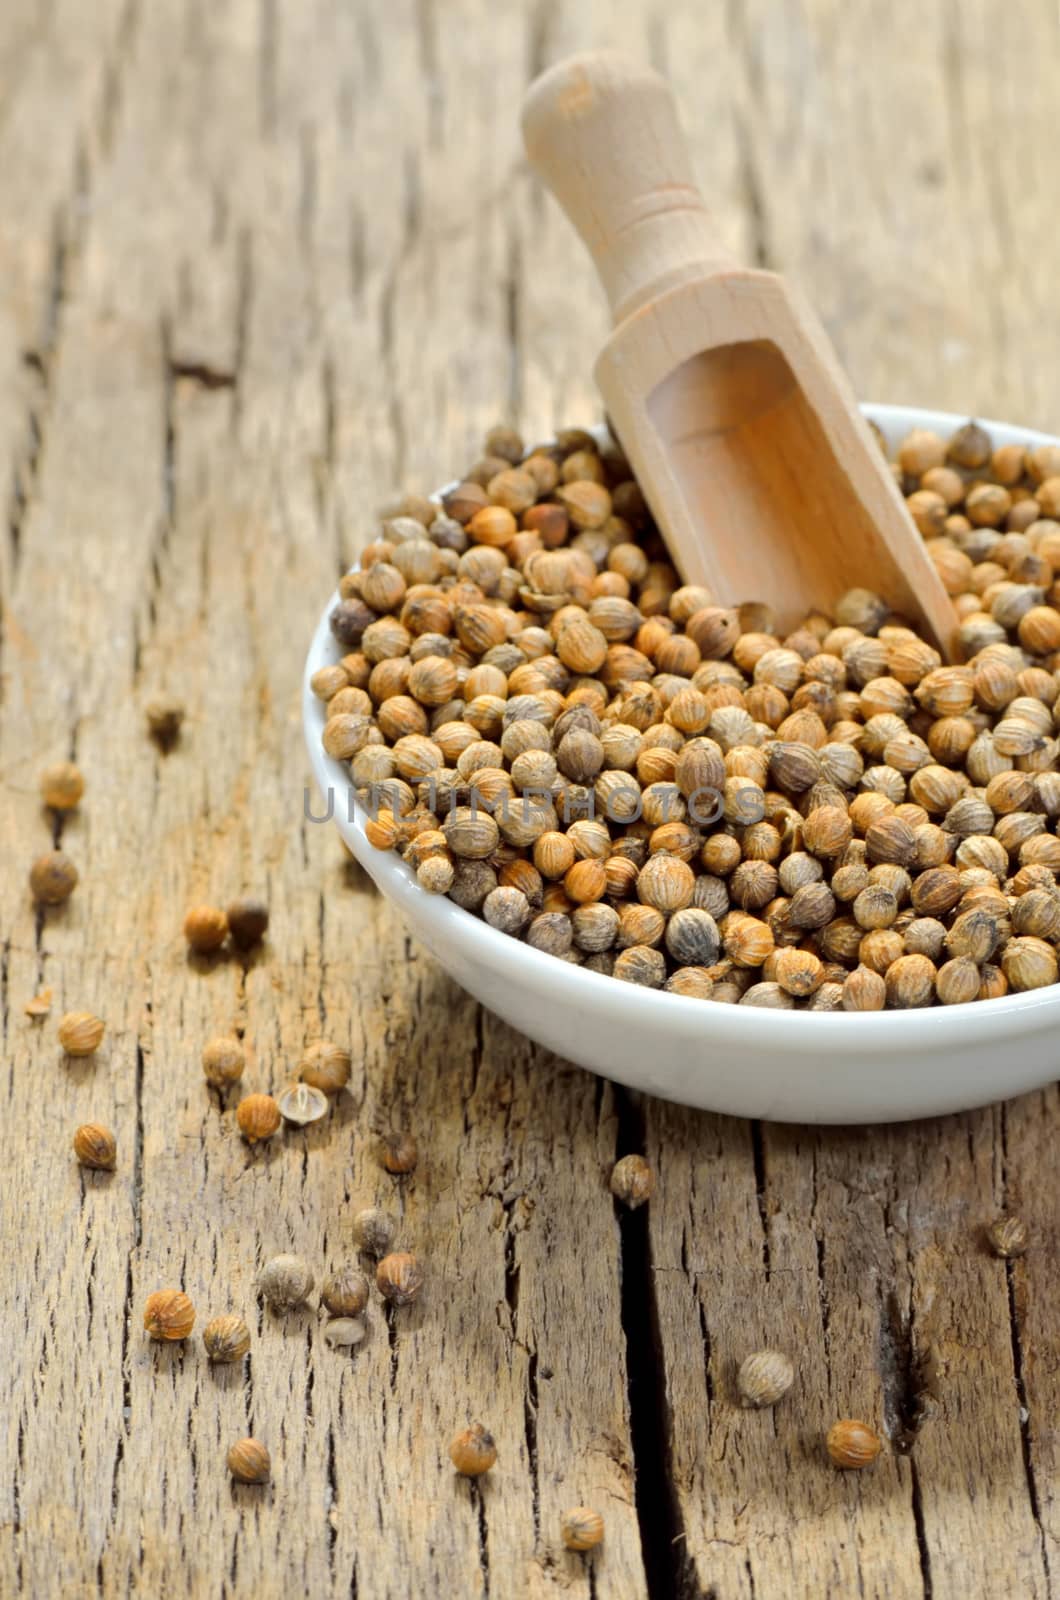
{"x": 787, "y": 1066}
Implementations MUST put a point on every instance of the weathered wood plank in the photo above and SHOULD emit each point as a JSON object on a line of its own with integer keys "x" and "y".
{"x": 263, "y": 265}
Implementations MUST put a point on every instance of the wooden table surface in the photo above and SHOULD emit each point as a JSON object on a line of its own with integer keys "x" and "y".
{"x": 263, "y": 263}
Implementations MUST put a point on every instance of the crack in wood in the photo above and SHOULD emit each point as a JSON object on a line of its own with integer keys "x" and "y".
{"x": 478, "y": 1501}
{"x": 1026, "y": 1453}
{"x": 758, "y": 1156}
{"x": 662, "y": 1534}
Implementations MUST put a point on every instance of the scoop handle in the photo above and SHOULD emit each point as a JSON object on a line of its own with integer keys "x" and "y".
{"x": 604, "y": 134}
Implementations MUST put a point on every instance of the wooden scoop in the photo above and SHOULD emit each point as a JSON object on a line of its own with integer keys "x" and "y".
{"x": 720, "y": 384}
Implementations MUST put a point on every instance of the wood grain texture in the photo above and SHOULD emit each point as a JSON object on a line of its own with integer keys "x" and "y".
{"x": 263, "y": 264}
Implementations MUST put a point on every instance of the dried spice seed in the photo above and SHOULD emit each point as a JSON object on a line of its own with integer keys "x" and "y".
{"x": 285, "y": 1282}
{"x": 398, "y": 1152}
{"x": 94, "y": 1146}
{"x": 301, "y": 1104}
{"x": 473, "y": 1451}
{"x": 227, "y": 1339}
{"x": 248, "y": 921}
{"x": 325, "y": 1066}
{"x": 399, "y": 1278}
{"x": 582, "y": 1528}
{"x": 249, "y": 1462}
{"x": 80, "y": 1033}
{"x": 40, "y": 1005}
{"x": 852, "y": 1445}
{"x": 165, "y": 718}
{"x": 168, "y": 1315}
{"x": 374, "y": 1230}
{"x": 223, "y": 1061}
{"x": 1008, "y": 1237}
{"x": 632, "y": 1181}
{"x": 765, "y": 1377}
{"x": 52, "y": 878}
{"x": 258, "y": 1117}
{"x": 345, "y": 1293}
{"x": 342, "y": 1333}
{"x": 61, "y": 786}
{"x": 205, "y": 929}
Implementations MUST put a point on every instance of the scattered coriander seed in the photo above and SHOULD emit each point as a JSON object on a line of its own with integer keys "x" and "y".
{"x": 205, "y": 929}
{"x": 81, "y": 1033}
{"x": 582, "y": 1528}
{"x": 374, "y": 1230}
{"x": 94, "y": 1146}
{"x": 165, "y": 717}
{"x": 248, "y": 920}
{"x": 223, "y": 1061}
{"x": 300, "y": 1103}
{"x": 765, "y": 1377}
{"x": 61, "y": 786}
{"x": 249, "y": 1462}
{"x": 285, "y": 1282}
{"x": 227, "y": 1339}
{"x": 398, "y": 1152}
{"x": 345, "y": 1293}
{"x": 632, "y": 1181}
{"x": 52, "y": 878}
{"x": 399, "y": 1278}
{"x": 1008, "y": 1237}
{"x": 325, "y": 1066}
{"x": 168, "y": 1315}
{"x": 473, "y": 1451}
{"x": 852, "y": 1445}
{"x": 258, "y": 1117}
{"x": 342, "y": 1333}
{"x": 40, "y": 1005}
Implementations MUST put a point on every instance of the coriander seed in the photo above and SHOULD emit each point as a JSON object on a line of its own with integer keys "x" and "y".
{"x": 473, "y": 1451}
{"x": 80, "y": 1033}
{"x": 342, "y": 1333}
{"x": 632, "y": 1181}
{"x": 301, "y": 1104}
{"x": 258, "y": 1117}
{"x": 345, "y": 1293}
{"x": 94, "y": 1146}
{"x": 373, "y": 1231}
{"x": 1029, "y": 963}
{"x": 1008, "y": 1237}
{"x": 61, "y": 786}
{"x": 399, "y": 1278}
{"x": 765, "y": 1377}
{"x": 223, "y": 1061}
{"x": 397, "y": 1152}
{"x": 165, "y": 718}
{"x": 285, "y": 1282}
{"x": 248, "y": 921}
{"x": 227, "y": 1339}
{"x": 52, "y": 878}
{"x": 325, "y": 1066}
{"x": 249, "y": 1461}
{"x": 852, "y": 1445}
{"x": 582, "y": 1528}
{"x": 168, "y": 1315}
{"x": 205, "y": 929}
{"x": 40, "y": 1005}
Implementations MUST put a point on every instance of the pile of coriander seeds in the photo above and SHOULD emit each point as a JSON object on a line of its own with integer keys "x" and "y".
{"x": 556, "y": 733}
